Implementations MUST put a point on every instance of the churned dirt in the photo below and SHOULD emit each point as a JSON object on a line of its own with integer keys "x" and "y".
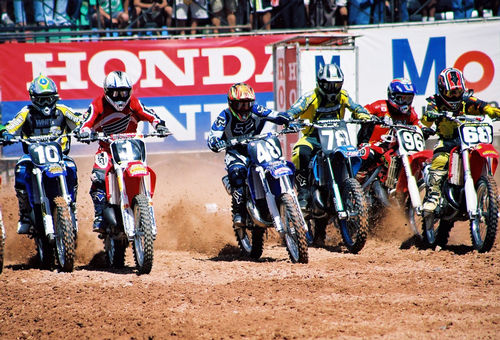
{"x": 201, "y": 288}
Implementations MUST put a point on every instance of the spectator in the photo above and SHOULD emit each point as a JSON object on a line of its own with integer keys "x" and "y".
{"x": 111, "y": 13}
{"x": 243, "y": 12}
{"x": 158, "y": 12}
{"x": 428, "y": 10}
{"x": 494, "y": 5}
{"x": 359, "y": 12}
{"x": 322, "y": 13}
{"x": 196, "y": 8}
{"x": 341, "y": 14}
{"x": 260, "y": 16}
{"x": 401, "y": 9}
{"x": 378, "y": 12}
{"x": 60, "y": 15}
{"x": 462, "y": 9}
{"x": 224, "y": 8}
{"x": 293, "y": 13}
{"x": 4, "y": 18}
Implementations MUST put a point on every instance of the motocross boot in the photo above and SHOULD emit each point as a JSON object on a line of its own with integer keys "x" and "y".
{"x": 24, "y": 224}
{"x": 99, "y": 199}
{"x": 303, "y": 193}
{"x": 433, "y": 196}
{"x": 238, "y": 207}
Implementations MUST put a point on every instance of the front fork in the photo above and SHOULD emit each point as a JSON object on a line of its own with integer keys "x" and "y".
{"x": 63, "y": 189}
{"x": 48, "y": 223}
{"x": 470, "y": 191}
{"x": 337, "y": 198}
{"x": 413, "y": 191}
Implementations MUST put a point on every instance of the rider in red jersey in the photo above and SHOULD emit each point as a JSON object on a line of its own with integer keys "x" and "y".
{"x": 116, "y": 111}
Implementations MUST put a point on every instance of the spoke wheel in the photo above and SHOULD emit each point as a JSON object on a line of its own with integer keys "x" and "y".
{"x": 64, "y": 235}
{"x": 484, "y": 227}
{"x": 294, "y": 230}
{"x": 354, "y": 229}
{"x": 143, "y": 238}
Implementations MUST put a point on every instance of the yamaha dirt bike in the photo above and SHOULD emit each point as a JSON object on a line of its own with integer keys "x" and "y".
{"x": 129, "y": 215}
{"x": 52, "y": 197}
{"x": 270, "y": 198}
{"x": 336, "y": 195}
{"x": 397, "y": 177}
{"x": 469, "y": 192}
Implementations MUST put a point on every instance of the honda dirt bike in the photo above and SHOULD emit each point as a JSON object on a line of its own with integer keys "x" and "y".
{"x": 397, "y": 177}
{"x": 336, "y": 195}
{"x": 270, "y": 198}
{"x": 469, "y": 192}
{"x": 129, "y": 215}
{"x": 52, "y": 196}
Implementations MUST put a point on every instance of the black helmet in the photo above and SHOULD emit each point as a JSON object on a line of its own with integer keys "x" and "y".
{"x": 330, "y": 80}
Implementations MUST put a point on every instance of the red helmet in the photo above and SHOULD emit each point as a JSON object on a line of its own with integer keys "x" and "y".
{"x": 240, "y": 99}
{"x": 451, "y": 87}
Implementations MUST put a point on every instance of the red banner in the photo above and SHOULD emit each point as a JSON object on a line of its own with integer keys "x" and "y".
{"x": 159, "y": 68}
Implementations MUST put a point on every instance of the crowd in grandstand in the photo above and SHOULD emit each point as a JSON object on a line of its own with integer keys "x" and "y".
{"x": 193, "y": 15}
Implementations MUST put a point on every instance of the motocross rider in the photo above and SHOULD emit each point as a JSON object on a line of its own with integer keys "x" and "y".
{"x": 242, "y": 117}
{"x": 396, "y": 109}
{"x": 115, "y": 111}
{"x": 44, "y": 116}
{"x": 452, "y": 97}
{"x": 327, "y": 101}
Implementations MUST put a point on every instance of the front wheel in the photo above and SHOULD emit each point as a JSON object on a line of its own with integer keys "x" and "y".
{"x": 354, "y": 228}
{"x": 484, "y": 226}
{"x": 64, "y": 235}
{"x": 294, "y": 230}
{"x": 251, "y": 242}
{"x": 143, "y": 238}
{"x": 414, "y": 219}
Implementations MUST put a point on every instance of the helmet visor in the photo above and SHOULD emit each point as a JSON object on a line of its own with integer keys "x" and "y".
{"x": 330, "y": 87}
{"x": 455, "y": 94}
{"x": 242, "y": 106}
{"x": 44, "y": 100}
{"x": 403, "y": 99}
{"x": 118, "y": 95}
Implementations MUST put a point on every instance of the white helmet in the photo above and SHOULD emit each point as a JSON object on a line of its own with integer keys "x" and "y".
{"x": 117, "y": 89}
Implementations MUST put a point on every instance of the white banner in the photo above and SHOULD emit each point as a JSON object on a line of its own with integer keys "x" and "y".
{"x": 419, "y": 52}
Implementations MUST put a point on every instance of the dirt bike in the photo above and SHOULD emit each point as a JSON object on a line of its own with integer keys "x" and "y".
{"x": 52, "y": 196}
{"x": 469, "y": 192}
{"x": 336, "y": 195}
{"x": 397, "y": 176}
{"x": 129, "y": 215}
{"x": 270, "y": 198}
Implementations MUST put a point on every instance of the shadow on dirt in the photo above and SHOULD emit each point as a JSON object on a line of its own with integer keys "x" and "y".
{"x": 230, "y": 253}
{"x": 416, "y": 242}
{"x": 98, "y": 263}
{"x": 33, "y": 263}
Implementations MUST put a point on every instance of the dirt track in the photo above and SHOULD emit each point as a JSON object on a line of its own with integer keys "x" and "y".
{"x": 200, "y": 288}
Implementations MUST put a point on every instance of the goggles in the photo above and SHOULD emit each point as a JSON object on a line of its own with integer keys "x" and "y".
{"x": 454, "y": 94}
{"x": 242, "y": 106}
{"x": 46, "y": 100}
{"x": 119, "y": 95}
{"x": 330, "y": 86}
{"x": 403, "y": 99}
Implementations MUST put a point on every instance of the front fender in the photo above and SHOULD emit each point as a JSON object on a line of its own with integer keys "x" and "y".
{"x": 478, "y": 157}
{"x": 348, "y": 152}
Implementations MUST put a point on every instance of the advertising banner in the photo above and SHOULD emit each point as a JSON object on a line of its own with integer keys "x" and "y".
{"x": 184, "y": 81}
{"x": 421, "y": 52}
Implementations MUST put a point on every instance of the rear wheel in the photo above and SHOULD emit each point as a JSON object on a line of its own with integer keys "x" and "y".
{"x": 143, "y": 238}
{"x": 250, "y": 241}
{"x": 484, "y": 227}
{"x": 354, "y": 228}
{"x": 294, "y": 229}
{"x": 64, "y": 235}
{"x": 114, "y": 248}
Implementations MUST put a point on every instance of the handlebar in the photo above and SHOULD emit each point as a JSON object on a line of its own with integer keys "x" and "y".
{"x": 101, "y": 136}
{"x": 35, "y": 139}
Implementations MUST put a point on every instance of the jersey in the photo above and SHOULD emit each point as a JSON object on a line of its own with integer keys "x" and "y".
{"x": 382, "y": 108}
{"x": 313, "y": 106}
{"x": 103, "y": 117}
{"x": 447, "y": 129}
{"x": 227, "y": 126}
{"x": 31, "y": 122}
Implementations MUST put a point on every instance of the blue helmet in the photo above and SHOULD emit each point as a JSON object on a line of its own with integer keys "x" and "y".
{"x": 400, "y": 93}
